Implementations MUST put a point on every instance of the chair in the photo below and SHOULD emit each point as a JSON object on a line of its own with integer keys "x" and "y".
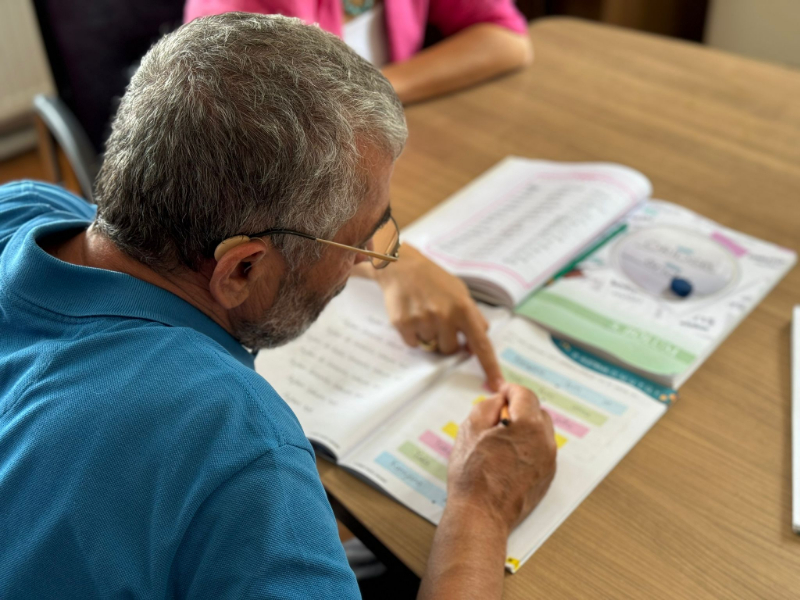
{"x": 92, "y": 46}
{"x": 55, "y": 124}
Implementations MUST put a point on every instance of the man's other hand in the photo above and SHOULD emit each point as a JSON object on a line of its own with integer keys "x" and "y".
{"x": 430, "y": 307}
{"x": 503, "y": 471}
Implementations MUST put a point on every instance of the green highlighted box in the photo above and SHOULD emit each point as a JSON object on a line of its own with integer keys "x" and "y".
{"x": 424, "y": 460}
{"x": 635, "y": 346}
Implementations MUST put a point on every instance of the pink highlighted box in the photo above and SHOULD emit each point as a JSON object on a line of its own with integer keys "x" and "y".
{"x": 437, "y": 444}
{"x": 566, "y": 424}
{"x": 724, "y": 240}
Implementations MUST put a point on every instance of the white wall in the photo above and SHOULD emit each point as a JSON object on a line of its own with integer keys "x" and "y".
{"x": 24, "y": 72}
{"x": 763, "y": 29}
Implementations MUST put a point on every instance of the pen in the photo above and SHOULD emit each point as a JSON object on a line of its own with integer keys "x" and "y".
{"x": 591, "y": 250}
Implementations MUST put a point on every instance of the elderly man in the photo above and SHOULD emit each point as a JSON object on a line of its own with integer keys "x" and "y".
{"x": 140, "y": 454}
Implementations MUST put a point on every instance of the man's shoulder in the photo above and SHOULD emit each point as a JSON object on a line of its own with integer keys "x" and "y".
{"x": 189, "y": 374}
{"x": 44, "y": 195}
{"x": 22, "y": 202}
{"x": 181, "y": 392}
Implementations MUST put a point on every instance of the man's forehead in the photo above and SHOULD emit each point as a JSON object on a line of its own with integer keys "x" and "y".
{"x": 374, "y": 207}
{"x": 378, "y": 176}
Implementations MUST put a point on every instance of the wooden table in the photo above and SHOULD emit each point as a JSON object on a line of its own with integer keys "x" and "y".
{"x": 700, "y": 508}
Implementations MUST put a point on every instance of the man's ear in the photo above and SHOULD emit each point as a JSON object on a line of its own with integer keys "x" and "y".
{"x": 237, "y": 271}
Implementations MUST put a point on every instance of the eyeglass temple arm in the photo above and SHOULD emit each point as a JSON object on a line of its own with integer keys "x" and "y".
{"x": 269, "y": 232}
{"x": 387, "y": 257}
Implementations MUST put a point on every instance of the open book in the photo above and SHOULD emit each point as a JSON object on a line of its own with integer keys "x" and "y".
{"x": 390, "y": 413}
{"x": 657, "y": 299}
{"x": 509, "y": 231}
{"x": 652, "y": 304}
{"x": 621, "y": 302}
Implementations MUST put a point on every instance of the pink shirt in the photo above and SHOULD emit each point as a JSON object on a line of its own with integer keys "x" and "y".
{"x": 405, "y": 19}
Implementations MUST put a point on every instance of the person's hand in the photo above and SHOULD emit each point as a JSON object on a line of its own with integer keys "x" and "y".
{"x": 503, "y": 471}
{"x": 429, "y": 307}
{"x": 496, "y": 476}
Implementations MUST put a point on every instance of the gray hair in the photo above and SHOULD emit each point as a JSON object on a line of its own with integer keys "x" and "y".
{"x": 237, "y": 123}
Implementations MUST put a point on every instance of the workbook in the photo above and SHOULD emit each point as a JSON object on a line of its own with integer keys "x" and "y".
{"x": 660, "y": 298}
{"x": 643, "y": 283}
{"x": 604, "y": 302}
{"x": 390, "y": 413}
{"x": 509, "y": 231}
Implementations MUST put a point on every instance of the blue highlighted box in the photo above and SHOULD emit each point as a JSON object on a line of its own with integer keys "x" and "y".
{"x": 412, "y": 479}
{"x": 565, "y": 384}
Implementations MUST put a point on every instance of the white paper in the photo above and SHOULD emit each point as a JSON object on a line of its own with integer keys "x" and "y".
{"x": 795, "y": 358}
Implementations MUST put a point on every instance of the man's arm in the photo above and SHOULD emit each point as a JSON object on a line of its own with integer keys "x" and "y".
{"x": 467, "y": 558}
{"x": 267, "y": 532}
{"x": 496, "y": 476}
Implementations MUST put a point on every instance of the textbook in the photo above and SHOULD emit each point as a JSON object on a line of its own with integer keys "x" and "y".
{"x": 662, "y": 297}
{"x": 514, "y": 227}
{"x": 389, "y": 413}
{"x": 657, "y": 299}
{"x": 605, "y": 301}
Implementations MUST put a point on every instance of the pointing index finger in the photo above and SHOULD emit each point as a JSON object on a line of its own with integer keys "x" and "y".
{"x": 474, "y": 328}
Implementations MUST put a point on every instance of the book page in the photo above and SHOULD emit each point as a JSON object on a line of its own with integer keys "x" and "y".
{"x": 351, "y": 370}
{"x": 620, "y": 301}
{"x": 597, "y": 421}
{"x": 518, "y": 224}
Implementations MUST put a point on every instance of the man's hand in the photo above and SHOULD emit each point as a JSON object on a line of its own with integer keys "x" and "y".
{"x": 503, "y": 471}
{"x": 428, "y": 305}
{"x": 496, "y": 476}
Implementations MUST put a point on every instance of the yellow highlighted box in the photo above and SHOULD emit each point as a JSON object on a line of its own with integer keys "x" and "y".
{"x": 451, "y": 429}
{"x": 560, "y": 440}
{"x": 513, "y": 563}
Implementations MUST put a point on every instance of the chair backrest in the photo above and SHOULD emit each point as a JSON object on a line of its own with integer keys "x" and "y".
{"x": 61, "y": 124}
{"x": 92, "y": 45}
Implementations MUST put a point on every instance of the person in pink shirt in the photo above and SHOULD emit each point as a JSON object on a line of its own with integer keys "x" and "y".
{"x": 483, "y": 38}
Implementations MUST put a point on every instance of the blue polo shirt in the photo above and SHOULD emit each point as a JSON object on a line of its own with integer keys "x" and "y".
{"x": 141, "y": 456}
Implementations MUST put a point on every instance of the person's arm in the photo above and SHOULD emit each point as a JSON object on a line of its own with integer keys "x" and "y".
{"x": 467, "y": 557}
{"x": 496, "y": 476}
{"x": 267, "y": 532}
{"x": 466, "y": 58}
{"x": 427, "y": 304}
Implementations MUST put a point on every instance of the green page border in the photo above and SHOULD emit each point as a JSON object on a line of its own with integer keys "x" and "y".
{"x": 633, "y": 345}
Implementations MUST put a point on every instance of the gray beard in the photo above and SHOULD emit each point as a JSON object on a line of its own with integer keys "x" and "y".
{"x": 294, "y": 310}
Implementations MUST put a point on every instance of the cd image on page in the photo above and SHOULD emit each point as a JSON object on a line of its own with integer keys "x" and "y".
{"x": 663, "y": 259}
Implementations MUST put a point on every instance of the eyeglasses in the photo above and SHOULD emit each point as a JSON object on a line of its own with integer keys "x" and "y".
{"x": 386, "y": 239}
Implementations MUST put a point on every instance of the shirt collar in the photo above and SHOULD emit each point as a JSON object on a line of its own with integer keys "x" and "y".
{"x": 30, "y": 274}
